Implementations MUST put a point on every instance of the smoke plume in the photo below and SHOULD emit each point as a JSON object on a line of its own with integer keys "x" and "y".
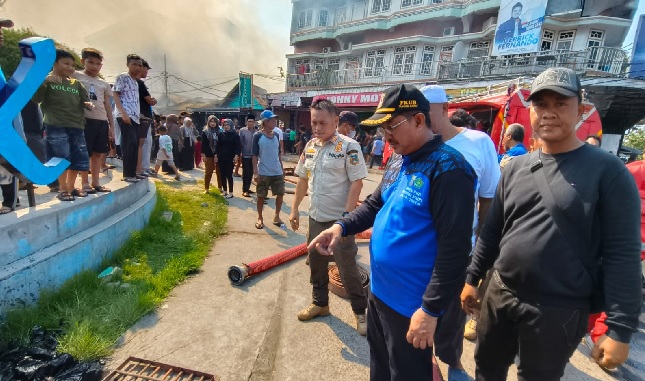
{"x": 202, "y": 39}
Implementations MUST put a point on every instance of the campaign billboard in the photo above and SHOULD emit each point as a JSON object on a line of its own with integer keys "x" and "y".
{"x": 637, "y": 69}
{"x": 519, "y": 26}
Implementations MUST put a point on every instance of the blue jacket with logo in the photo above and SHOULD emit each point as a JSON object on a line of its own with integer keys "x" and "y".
{"x": 422, "y": 215}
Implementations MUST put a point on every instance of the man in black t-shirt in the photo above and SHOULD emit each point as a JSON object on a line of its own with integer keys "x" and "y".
{"x": 565, "y": 221}
{"x": 146, "y": 102}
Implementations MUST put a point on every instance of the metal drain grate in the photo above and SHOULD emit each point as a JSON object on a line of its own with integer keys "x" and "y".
{"x": 136, "y": 369}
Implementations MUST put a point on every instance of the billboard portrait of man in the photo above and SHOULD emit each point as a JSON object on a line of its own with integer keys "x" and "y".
{"x": 511, "y": 27}
{"x": 520, "y": 33}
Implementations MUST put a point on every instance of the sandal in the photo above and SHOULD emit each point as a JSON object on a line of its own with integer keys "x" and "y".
{"x": 5, "y": 210}
{"x": 259, "y": 225}
{"x": 65, "y": 196}
{"x": 101, "y": 189}
{"x": 278, "y": 222}
{"x": 78, "y": 193}
{"x": 89, "y": 190}
{"x": 131, "y": 180}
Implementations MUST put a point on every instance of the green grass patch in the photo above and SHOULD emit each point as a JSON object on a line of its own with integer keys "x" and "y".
{"x": 93, "y": 315}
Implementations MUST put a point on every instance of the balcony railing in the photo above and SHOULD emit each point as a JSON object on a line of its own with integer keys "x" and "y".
{"x": 595, "y": 60}
{"x": 363, "y": 75}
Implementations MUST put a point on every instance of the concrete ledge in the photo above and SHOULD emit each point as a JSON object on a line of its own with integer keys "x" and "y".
{"x": 35, "y": 229}
{"x": 22, "y": 280}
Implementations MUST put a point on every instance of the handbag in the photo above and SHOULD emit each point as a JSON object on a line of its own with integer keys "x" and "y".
{"x": 568, "y": 229}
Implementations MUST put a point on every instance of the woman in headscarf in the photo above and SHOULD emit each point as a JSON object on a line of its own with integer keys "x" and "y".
{"x": 228, "y": 148}
{"x": 209, "y": 151}
{"x": 189, "y": 136}
{"x": 174, "y": 131}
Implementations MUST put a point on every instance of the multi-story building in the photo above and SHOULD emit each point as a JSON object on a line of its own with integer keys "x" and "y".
{"x": 351, "y": 50}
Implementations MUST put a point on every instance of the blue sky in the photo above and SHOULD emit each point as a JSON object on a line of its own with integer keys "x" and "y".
{"x": 629, "y": 39}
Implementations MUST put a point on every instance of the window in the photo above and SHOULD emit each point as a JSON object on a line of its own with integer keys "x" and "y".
{"x": 381, "y": 6}
{"x": 302, "y": 66}
{"x": 404, "y": 60}
{"x": 304, "y": 21}
{"x": 595, "y": 38}
{"x": 409, "y": 3}
{"x": 374, "y": 63}
{"x": 547, "y": 40}
{"x": 333, "y": 64}
{"x": 322, "y": 17}
{"x": 565, "y": 40}
{"x": 319, "y": 64}
{"x": 426, "y": 62}
{"x": 340, "y": 15}
{"x": 353, "y": 63}
{"x": 478, "y": 49}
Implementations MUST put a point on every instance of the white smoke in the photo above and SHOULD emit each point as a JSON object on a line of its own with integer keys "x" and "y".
{"x": 205, "y": 41}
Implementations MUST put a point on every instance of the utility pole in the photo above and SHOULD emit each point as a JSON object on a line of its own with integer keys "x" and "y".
{"x": 165, "y": 81}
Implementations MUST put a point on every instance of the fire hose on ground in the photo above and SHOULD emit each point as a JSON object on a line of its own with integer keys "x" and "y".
{"x": 238, "y": 274}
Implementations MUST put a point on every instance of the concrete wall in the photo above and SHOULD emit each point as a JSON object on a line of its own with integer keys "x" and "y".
{"x": 68, "y": 243}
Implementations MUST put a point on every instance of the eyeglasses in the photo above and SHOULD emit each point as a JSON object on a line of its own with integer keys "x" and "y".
{"x": 390, "y": 130}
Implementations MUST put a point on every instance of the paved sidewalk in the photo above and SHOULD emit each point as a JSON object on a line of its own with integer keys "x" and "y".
{"x": 251, "y": 332}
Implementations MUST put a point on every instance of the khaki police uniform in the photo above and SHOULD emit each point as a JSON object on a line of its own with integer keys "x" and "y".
{"x": 330, "y": 168}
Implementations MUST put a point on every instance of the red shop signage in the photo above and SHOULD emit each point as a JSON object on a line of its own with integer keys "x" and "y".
{"x": 352, "y": 99}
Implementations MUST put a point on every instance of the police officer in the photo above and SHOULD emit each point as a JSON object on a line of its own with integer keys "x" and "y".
{"x": 331, "y": 167}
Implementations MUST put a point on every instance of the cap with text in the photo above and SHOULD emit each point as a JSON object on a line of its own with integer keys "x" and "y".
{"x": 561, "y": 80}
{"x": 435, "y": 94}
{"x": 396, "y": 100}
{"x": 267, "y": 114}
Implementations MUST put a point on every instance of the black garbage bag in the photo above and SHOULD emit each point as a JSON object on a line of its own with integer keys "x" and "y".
{"x": 90, "y": 371}
{"x": 40, "y": 362}
{"x": 30, "y": 369}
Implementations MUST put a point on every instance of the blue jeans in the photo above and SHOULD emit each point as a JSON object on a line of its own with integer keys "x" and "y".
{"x": 67, "y": 143}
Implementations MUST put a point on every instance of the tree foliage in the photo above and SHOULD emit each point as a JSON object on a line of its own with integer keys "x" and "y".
{"x": 10, "y": 55}
{"x": 635, "y": 137}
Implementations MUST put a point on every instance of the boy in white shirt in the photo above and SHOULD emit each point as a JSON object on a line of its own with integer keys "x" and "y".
{"x": 165, "y": 152}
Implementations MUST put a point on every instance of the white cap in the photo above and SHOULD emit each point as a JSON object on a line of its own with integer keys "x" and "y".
{"x": 434, "y": 94}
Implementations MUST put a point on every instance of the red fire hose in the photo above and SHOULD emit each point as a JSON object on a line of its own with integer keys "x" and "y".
{"x": 238, "y": 274}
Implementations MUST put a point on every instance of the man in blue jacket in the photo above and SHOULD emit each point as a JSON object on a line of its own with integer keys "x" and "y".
{"x": 422, "y": 215}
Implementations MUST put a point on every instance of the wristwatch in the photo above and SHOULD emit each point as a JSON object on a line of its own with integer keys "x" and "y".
{"x": 345, "y": 214}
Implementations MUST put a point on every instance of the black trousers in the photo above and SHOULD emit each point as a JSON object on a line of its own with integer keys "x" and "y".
{"x": 544, "y": 337}
{"x": 226, "y": 174}
{"x": 392, "y": 358}
{"x": 129, "y": 147}
{"x": 10, "y": 194}
{"x": 247, "y": 173}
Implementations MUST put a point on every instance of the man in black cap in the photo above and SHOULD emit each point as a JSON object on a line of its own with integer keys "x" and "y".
{"x": 422, "y": 215}
{"x": 564, "y": 221}
{"x": 347, "y": 123}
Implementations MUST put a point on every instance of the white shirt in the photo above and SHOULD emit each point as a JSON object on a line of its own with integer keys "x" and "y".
{"x": 479, "y": 151}
{"x": 128, "y": 90}
{"x": 278, "y": 131}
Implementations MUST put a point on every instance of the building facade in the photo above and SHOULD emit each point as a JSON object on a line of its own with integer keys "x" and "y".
{"x": 350, "y": 50}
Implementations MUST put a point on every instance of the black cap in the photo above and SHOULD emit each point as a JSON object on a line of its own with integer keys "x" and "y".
{"x": 561, "y": 80}
{"x": 395, "y": 100}
{"x": 6, "y": 23}
{"x": 349, "y": 117}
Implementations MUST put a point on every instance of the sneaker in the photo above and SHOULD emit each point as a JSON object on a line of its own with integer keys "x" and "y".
{"x": 361, "y": 324}
{"x": 224, "y": 194}
{"x": 230, "y": 195}
{"x": 312, "y": 311}
{"x": 470, "y": 332}
{"x": 458, "y": 375}
{"x": 206, "y": 191}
